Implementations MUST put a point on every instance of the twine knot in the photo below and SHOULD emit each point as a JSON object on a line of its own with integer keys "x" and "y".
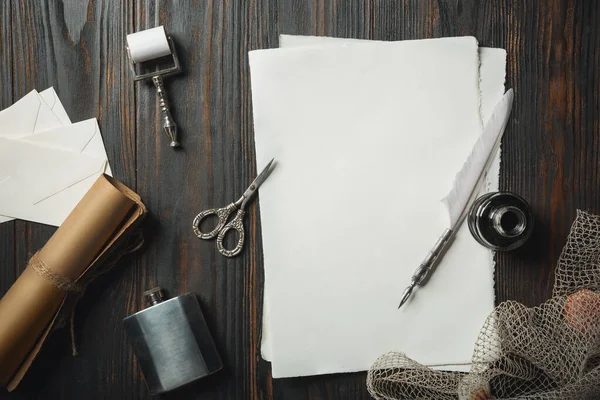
{"x": 75, "y": 289}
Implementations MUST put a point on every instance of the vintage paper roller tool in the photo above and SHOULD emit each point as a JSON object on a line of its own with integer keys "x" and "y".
{"x": 148, "y": 45}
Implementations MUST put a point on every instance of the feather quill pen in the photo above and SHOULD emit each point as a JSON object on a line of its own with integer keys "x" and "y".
{"x": 465, "y": 188}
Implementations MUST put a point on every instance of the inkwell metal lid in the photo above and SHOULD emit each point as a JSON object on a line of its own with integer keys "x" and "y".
{"x": 501, "y": 221}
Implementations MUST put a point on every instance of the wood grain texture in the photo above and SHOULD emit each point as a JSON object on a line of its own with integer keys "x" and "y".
{"x": 7, "y": 230}
{"x": 551, "y": 155}
{"x": 85, "y": 66}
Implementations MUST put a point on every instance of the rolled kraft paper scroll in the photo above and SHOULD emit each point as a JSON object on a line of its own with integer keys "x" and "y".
{"x": 29, "y": 308}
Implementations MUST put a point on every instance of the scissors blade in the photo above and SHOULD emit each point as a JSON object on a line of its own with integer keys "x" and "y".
{"x": 264, "y": 174}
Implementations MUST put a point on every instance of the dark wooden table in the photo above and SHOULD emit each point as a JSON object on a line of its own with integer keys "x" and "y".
{"x": 551, "y": 156}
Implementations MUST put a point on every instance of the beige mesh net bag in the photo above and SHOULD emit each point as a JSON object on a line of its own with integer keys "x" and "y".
{"x": 546, "y": 352}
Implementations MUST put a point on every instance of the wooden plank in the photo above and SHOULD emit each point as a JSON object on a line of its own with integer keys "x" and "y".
{"x": 6, "y": 78}
{"x": 210, "y": 101}
{"x": 543, "y": 147}
{"x": 257, "y": 378}
{"x": 350, "y": 19}
{"x": 7, "y": 229}
{"x": 78, "y": 47}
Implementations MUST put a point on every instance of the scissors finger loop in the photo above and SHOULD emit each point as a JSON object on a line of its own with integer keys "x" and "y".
{"x": 221, "y": 213}
{"x": 237, "y": 225}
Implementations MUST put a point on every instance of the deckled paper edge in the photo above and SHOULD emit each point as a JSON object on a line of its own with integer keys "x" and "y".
{"x": 493, "y": 174}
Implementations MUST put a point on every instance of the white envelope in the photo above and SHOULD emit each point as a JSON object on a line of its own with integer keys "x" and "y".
{"x": 27, "y": 116}
{"x": 31, "y": 115}
{"x": 51, "y": 98}
{"x": 30, "y": 173}
{"x": 83, "y": 137}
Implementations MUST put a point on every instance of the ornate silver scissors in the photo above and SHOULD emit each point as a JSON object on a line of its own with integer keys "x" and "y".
{"x": 237, "y": 223}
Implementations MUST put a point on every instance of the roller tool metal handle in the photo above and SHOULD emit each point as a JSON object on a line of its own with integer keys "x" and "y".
{"x": 169, "y": 126}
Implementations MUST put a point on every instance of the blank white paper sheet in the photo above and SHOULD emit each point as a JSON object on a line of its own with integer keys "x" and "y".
{"x": 368, "y": 139}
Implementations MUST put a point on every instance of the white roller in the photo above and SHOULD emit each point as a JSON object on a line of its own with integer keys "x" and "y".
{"x": 149, "y": 44}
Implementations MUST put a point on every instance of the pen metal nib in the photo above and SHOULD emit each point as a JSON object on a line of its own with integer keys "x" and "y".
{"x": 406, "y": 295}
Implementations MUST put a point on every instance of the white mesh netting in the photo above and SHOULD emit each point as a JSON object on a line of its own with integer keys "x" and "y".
{"x": 546, "y": 352}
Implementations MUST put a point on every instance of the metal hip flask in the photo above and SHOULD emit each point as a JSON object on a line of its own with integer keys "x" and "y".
{"x": 172, "y": 342}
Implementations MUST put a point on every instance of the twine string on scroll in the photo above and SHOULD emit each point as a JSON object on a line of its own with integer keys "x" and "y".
{"x": 76, "y": 289}
{"x": 58, "y": 281}
{"x": 89, "y": 242}
{"x": 549, "y": 352}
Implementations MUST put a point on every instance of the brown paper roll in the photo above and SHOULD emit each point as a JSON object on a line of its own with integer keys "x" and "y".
{"x": 30, "y": 306}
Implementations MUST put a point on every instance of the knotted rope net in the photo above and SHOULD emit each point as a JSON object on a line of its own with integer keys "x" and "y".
{"x": 547, "y": 352}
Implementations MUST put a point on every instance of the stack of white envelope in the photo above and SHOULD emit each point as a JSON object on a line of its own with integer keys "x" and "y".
{"x": 47, "y": 163}
{"x": 368, "y": 137}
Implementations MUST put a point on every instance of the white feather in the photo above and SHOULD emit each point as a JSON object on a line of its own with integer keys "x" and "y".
{"x": 469, "y": 178}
